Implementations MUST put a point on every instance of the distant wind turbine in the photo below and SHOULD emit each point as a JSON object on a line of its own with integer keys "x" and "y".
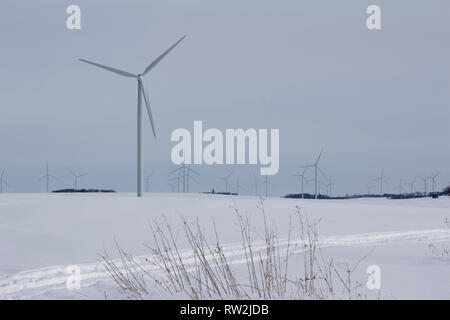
{"x": 184, "y": 172}
{"x": 302, "y": 179}
{"x": 266, "y": 183}
{"x": 411, "y": 185}
{"x": 433, "y": 181}
{"x": 141, "y": 93}
{"x": 381, "y": 180}
{"x": 425, "y": 184}
{"x": 330, "y": 185}
{"x": 316, "y": 167}
{"x": 47, "y": 177}
{"x": 255, "y": 184}
{"x": 3, "y": 181}
{"x": 76, "y": 177}
{"x": 400, "y": 187}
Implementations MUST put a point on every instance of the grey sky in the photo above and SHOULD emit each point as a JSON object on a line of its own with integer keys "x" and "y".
{"x": 371, "y": 99}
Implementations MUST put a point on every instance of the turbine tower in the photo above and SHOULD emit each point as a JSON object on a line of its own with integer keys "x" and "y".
{"x": 302, "y": 179}
{"x": 411, "y": 184}
{"x": 184, "y": 172}
{"x": 225, "y": 179}
{"x": 433, "y": 181}
{"x": 141, "y": 93}
{"x": 266, "y": 183}
{"x": 315, "y": 165}
{"x": 381, "y": 180}
{"x": 255, "y": 184}
{"x": 330, "y": 185}
{"x": 75, "y": 177}
{"x": 400, "y": 187}
{"x": 3, "y": 181}
{"x": 47, "y": 177}
{"x": 425, "y": 184}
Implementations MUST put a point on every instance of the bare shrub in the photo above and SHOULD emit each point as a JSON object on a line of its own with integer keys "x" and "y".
{"x": 207, "y": 271}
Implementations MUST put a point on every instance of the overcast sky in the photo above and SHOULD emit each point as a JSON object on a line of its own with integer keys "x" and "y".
{"x": 371, "y": 99}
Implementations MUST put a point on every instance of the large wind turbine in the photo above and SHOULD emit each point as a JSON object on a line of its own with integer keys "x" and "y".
{"x": 141, "y": 93}
{"x": 381, "y": 180}
{"x": 3, "y": 181}
{"x": 316, "y": 172}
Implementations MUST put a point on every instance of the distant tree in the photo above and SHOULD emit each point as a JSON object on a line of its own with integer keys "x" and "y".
{"x": 447, "y": 190}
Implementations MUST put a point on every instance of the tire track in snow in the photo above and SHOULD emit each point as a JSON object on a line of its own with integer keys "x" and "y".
{"x": 30, "y": 283}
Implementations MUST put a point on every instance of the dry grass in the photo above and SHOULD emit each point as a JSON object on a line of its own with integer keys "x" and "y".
{"x": 441, "y": 250}
{"x": 207, "y": 270}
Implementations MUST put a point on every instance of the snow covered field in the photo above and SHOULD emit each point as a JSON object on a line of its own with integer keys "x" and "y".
{"x": 42, "y": 234}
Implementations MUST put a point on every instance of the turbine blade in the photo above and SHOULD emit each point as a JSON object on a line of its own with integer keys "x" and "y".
{"x": 119, "y": 72}
{"x": 318, "y": 158}
{"x": 195, "y": 172}
{"x": 175, "y": 170}
{"x": 157, "y": 60}
{"x": 147, "y": 104}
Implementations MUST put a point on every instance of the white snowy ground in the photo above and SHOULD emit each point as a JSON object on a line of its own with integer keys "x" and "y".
{"x": 42, "y": 234}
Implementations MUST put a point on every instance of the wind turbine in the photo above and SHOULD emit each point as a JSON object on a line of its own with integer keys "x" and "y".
{"x": 76, "y": 176}
{"x": 266, "y": 183}
{"x": 255, "y": 184}
{"x": 141, "y": 93}
{"x": 302, "y": 179}
{"x": 400, "y": 187}
{"x": 425, "y": 183}
{"x": 189, "y": 177}
{"x": 330, "y": 185}
{"x": 3, "y": 181}
{"x": 47, "y": 176}
{"x": 225, "y": 179}
{"x": 178, "y": 180}
{"x": 184, "y": 172}
{"x": 315, "y": 165}
{"x": 411, "y": 184}
{"x": 433, "y": 180}
{"x": 381, "y": 180}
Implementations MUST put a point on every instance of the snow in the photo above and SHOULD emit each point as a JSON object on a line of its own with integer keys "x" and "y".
{"x": 42, "y": 234}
